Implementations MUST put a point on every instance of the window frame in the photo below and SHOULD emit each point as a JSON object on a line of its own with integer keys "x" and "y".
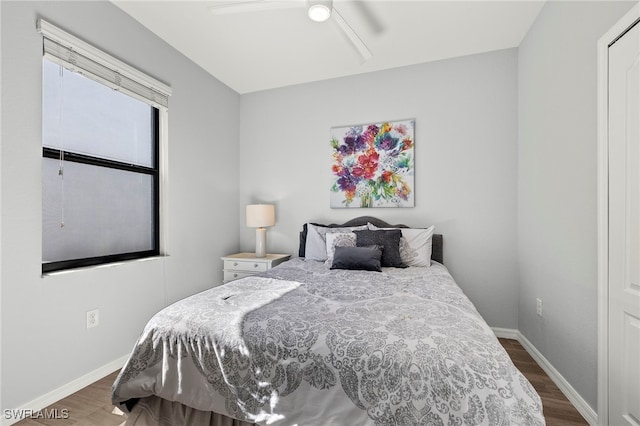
{"x": 153, "y": 171}
{"x": 78, "y": 56}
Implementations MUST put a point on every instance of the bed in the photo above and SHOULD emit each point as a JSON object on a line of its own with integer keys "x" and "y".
{"x": 309, "y": 344}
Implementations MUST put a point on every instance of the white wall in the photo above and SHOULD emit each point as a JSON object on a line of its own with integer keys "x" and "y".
{"x": 44, "y": 341}
{"x": 557, "y": 185}
{"x": 465, "y": 168}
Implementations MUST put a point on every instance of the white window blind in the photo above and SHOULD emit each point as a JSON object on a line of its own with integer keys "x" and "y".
{"x": 78, "y": 56}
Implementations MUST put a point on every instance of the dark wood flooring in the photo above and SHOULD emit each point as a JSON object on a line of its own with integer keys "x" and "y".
{"x": 558, "y": 411}
{"x": 91, "y": 406}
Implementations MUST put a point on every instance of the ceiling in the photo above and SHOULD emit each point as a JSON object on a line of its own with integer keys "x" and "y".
{"x": 265, "y": 49}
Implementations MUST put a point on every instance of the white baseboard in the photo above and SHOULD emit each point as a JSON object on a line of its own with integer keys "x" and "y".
{"x": 505, "y": 333}
{"x": 572, "y": 395}
{"x": 63, "y": 391}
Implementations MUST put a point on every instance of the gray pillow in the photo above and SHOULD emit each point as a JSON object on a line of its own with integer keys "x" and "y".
{"x": 358, "y": 258}
{"x": 390, "y": 242}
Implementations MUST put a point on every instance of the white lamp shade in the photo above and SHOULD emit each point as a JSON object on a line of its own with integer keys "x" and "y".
{"x": 261, "y": 215}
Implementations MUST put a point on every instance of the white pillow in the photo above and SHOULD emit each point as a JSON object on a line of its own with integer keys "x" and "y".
{"x": 316, "y": 245}
{"x": 338, "y": 239}
{"x": 416, "y": 245}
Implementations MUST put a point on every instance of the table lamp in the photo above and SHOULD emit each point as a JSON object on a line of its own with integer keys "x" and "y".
{"x": 260, "y": 216}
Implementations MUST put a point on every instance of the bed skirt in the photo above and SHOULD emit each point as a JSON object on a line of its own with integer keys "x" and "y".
{"x": 154, "y": 411}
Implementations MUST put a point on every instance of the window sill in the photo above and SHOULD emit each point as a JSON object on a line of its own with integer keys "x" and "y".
{"x": 103, "y": 266}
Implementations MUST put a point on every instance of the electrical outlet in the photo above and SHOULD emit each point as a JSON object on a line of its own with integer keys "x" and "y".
{"x": 93, "y": 318}
{"x": 539, "y": 307}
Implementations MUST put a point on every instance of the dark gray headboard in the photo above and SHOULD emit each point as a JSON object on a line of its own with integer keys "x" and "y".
{"x": 436, "y": 251}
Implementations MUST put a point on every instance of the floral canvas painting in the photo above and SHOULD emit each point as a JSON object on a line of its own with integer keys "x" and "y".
{"x": 373, "y": 165}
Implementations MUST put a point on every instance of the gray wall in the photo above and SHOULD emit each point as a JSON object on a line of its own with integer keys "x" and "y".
{"x": 557, "y": 185}
{"x": 466, "y": 140}
{"x": 44, "y": 341}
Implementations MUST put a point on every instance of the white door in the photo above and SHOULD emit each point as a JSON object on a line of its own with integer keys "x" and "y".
{"x": 624, "y": 229}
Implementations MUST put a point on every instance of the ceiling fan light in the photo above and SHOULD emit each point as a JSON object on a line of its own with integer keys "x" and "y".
{"x": 319, "y": 12}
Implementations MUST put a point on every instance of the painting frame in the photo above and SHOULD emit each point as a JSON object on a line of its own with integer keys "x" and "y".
{"x": 373, "y": 165}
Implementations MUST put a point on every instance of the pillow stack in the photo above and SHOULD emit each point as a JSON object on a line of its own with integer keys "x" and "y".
{"x": 368, "y": 247}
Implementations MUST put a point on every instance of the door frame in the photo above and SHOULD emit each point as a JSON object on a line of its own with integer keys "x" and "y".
{"x": 621, "y": 27}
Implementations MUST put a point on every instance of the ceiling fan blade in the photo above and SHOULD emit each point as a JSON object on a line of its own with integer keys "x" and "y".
{"x": 232, "y": 7}
{"x": 352, "y": 35}
{"x": 375, "y": 24}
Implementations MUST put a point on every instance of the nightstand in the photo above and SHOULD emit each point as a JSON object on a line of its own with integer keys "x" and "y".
{"x": 242, "y": 265}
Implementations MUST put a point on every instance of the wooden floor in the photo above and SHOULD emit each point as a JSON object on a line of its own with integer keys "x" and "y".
{"x": 91, "y": 406}
{"x": 558, "y": 411}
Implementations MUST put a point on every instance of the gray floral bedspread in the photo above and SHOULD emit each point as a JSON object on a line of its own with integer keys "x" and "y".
{"x": 309, "y": 346}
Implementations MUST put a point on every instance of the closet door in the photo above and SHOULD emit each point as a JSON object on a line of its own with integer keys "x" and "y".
{"x": 624, "y": 229}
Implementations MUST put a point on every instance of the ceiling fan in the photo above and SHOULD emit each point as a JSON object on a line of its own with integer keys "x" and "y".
{"x": 318, "y": 11}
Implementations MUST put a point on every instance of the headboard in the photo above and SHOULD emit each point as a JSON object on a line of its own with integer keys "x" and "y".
{"x": 436, "y": 251}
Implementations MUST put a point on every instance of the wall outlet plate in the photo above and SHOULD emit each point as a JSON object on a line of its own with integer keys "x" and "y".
{"x": 93, "y": 318}
{"x": 539, "y": 307}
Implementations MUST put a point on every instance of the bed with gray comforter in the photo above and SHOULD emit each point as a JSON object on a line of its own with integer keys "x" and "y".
{"x": 305, "y": 345}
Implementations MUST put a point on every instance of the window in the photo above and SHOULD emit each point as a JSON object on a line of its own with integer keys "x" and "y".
{"x": 101, "y": 133}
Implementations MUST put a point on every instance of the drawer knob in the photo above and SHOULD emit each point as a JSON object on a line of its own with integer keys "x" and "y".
{"x": 235, "y": 275}
{"x": 235, "y": 263}
{"x": 255, "y": 265}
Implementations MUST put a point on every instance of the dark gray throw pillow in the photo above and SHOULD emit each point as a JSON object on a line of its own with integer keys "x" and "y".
{"x": 390, "y": 242}
{"x": 359, "y": 258}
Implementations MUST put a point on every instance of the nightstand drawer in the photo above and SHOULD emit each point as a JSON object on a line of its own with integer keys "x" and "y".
{"x": 234, "y": 275}
{"x": 244, "y": 265}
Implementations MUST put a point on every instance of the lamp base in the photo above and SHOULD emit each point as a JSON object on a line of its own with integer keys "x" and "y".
{"x": 261, "y": 242}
